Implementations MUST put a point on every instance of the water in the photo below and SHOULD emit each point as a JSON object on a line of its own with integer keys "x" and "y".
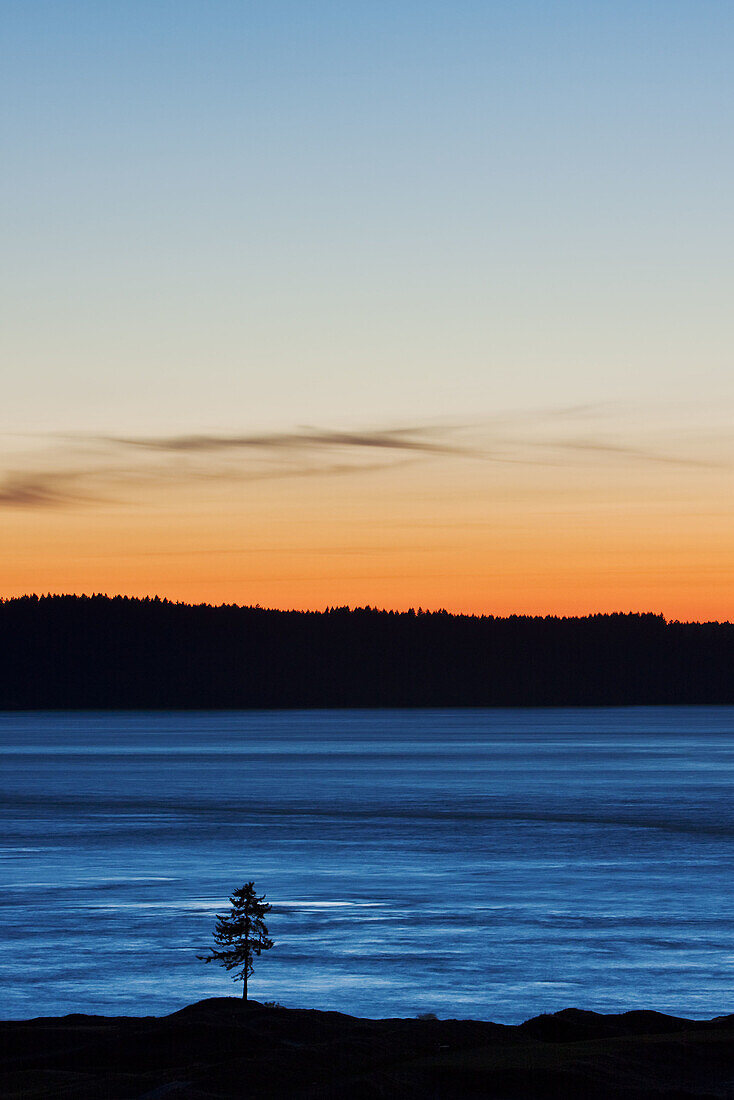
{"x": 487, "y": 863}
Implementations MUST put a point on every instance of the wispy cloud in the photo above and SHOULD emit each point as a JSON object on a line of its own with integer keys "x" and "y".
{"x": 391, "y": 439}
{"x": 628, "y": 451}
{"x": 83, "y": 468}
{"x": 80, "y": 469}
{"x": 37, "y": 489}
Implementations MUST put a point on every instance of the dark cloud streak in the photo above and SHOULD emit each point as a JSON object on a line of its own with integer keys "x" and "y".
{"x": 36, "y": 490}
{"x": 393, "y": 439}
{"x": 122, "y": 464}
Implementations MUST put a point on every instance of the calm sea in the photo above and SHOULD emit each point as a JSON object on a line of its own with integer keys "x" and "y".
{"x": 484, "y": 863}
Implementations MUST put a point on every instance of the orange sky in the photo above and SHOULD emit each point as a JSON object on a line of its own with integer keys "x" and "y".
{"x": 583, "y": 530}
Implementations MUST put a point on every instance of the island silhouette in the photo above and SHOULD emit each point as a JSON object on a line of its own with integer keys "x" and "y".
{"x": 100, "y": 652}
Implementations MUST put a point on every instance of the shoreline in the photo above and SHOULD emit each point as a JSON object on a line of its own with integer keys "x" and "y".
{"x": 224, "y": 1047}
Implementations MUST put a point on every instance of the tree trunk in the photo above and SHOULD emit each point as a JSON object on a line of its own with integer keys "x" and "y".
{"x": 244, "y": 988}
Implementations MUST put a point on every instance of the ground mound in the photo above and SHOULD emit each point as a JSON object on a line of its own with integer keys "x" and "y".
{"x": 225, "y": 1048}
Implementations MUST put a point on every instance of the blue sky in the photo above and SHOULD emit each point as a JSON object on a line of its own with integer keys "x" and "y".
{"x": 279, "y": 213}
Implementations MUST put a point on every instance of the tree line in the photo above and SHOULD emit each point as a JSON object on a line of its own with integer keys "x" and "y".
{"x": 99, "y": 652}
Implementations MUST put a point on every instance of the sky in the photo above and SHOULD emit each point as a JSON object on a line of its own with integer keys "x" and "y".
{"x": 401, "y": 304}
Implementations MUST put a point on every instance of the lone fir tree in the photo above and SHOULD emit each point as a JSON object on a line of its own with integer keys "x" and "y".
{"x": 241, "y": 934}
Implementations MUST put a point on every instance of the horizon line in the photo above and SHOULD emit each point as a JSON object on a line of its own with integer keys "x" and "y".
{"x": 348, "y": 608}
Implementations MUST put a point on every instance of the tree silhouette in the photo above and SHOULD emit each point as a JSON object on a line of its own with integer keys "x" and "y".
{"x": 97, "y": 653}
{"x": 241, "y": 934}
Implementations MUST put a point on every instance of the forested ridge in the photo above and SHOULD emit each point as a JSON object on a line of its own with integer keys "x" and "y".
{"x": 115, "y": 652}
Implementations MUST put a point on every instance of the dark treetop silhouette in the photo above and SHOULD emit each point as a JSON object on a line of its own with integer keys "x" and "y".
{"x": 241, "y": 934}
{"x": 95, "y": 652}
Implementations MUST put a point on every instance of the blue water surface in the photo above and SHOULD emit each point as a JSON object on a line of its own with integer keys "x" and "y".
{"x": 485, "y": 863}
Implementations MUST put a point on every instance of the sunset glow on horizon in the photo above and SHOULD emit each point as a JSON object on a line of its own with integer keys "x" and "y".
{"x": 481, "y": 522}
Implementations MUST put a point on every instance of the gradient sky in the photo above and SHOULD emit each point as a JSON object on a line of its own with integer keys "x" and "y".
{"x": 392, "y": 303}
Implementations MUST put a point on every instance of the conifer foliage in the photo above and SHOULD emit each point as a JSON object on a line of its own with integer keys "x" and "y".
{"x": 241, "y": 934}
{"x": 97, "y": 653}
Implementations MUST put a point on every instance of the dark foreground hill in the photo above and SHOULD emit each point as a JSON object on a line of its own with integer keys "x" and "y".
{"x": 224, "y": 1048}
{"x": 95, "y": 652}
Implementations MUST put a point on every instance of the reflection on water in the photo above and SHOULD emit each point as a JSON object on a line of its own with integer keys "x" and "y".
{"x": 490, "y": 863}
